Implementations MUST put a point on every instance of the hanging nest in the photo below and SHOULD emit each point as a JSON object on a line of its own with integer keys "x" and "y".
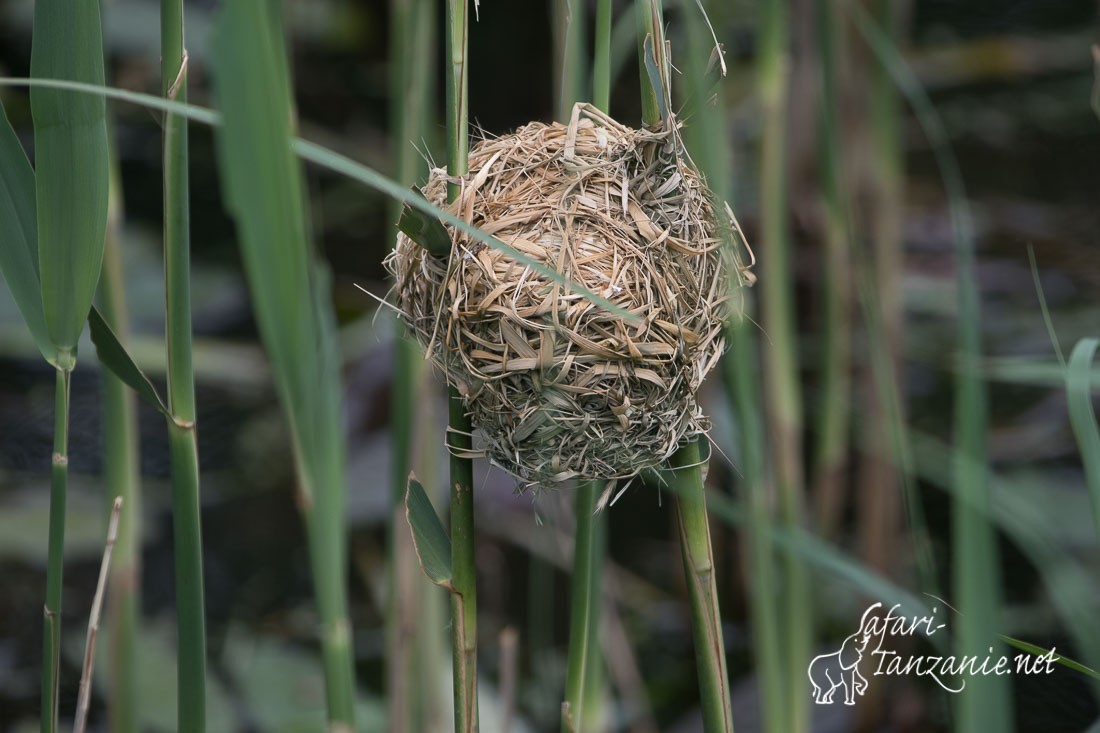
{"x": 557, "y": 386}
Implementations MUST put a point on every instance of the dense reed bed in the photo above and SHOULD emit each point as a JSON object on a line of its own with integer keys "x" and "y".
{"x": 890, "y": 430}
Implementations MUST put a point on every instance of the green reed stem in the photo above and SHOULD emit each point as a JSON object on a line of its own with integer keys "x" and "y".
{"x": 182, "y": 435}
{"x": 122, "y": 476}
{"x": 782, "y": 394}
{"x": 601, "y": 60}
{"x": 647, "y": 13}
{"x": 831, "y": 451}
{"x": 464, "y": 570}
{"x": 582, "y": 688}
{"x": 410, "y": 641}
{"x": 569, "y": 55}
{"x": 59, "y": 477}
{"x": 706, "y": 619}
{"x": 584, "y": 609}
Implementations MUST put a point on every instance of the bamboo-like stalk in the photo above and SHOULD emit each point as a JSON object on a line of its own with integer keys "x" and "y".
{"x": 686, "y": 464}
{"x": 789, "y": 709}
{"x": 740, "y": 372}
{"x": 706, "y": 620}
{"x": 410, "y": 640}
{"x": 121, "y": 474}
{"x": 601, "y": 60}
{"x": 59, "y": 477}
{"x": 581, "y": 681}
{"x": 584, "y": 608}
{"x": 182, "y": 429}
{"x": 459, "y": 431}
{"x": 831, "y": 450}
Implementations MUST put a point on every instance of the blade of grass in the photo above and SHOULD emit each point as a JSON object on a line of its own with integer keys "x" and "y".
{"x": 70, "y": 144}
{"x": 337, "y": 163}
{"x": 122, "y": 477}
{"x": 19, "y": 255}
{"x": 1083, "y": 419}
{"x": 289, "y": 289}
{"x": 182, "y": 420}
{"x": 464, "y": 599}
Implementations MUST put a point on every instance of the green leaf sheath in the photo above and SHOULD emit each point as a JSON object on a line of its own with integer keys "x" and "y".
{"x": 70, "y": 140}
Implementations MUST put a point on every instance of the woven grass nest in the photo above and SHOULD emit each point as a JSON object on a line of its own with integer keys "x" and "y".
{"x": 558, "y": 387}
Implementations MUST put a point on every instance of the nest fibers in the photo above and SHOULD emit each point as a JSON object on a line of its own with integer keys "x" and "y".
{"x": 557, "y": 386}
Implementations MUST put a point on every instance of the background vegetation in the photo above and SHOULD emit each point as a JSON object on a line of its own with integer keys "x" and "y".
{"x": 906, "y": 411}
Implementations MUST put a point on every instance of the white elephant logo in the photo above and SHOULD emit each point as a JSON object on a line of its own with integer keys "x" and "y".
{"x": 827, "y": 672}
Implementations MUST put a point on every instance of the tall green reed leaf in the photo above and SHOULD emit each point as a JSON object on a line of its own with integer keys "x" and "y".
{"x": 345, "y": 166}
{"x": 19, "y": 255}
{"x": 289, "y": 288}
{"x": 70, "y": 144}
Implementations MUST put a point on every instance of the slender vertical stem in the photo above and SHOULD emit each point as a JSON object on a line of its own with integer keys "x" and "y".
{"x": 698, "y": 557}
{"x": 463, "y": 570}
{"x": 601, "y": 61}
{"x": 182, "y": 436}
{"x": 410, "y": 640}
{"x": 649, "y": 13}
{"x": 831, "y": 450}
{"x": 686, "y": 464}
{"x": 581, "y": 685}
{"x": 464, "y": 597}
{"x": 569, "y": 56}
{"x": 782, "y": 393}
{"x": 583, "y": 616}
{"x": 59, "y": 478}
{"x": 121, "y": 475}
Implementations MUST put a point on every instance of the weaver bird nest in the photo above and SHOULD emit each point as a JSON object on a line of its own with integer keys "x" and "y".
{"x": 560, "y": 387}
